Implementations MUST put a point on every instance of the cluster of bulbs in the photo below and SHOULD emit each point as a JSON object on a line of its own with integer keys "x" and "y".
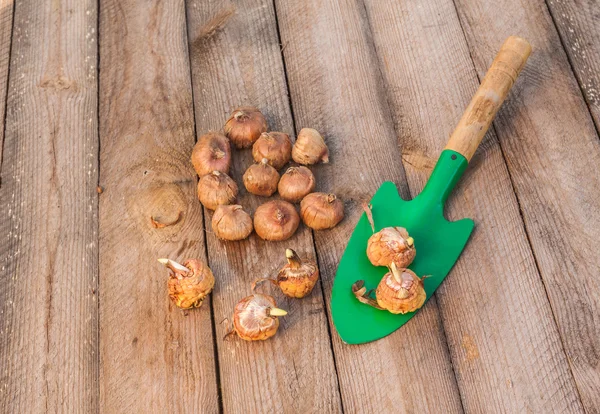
{"x": 275, "y": 219}
{"x": 400, "y": 290}
{"x": 255, "y": 317}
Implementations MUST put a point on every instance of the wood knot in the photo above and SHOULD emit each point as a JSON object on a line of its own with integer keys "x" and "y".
{"x": 159, "y": 222}
{"x": 472, "y": 352}
{"x": 215, "y": 24}
{"x": 483, "y": 108}
{"x": 159, "y": 207}
{"x": 57, "y": 83}
{"x": 418, "y": 161}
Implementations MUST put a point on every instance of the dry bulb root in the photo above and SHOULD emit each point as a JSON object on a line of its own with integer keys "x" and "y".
{"x": 363, "y": 295}
{"x": 255, "y": 318}
{"x": 297, "y": 278}
{"x": 189, "y": 283}
{"x": 399, "y": 291}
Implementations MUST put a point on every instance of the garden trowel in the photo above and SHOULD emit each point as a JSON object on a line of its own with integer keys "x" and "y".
{"x": 438, "y": 242}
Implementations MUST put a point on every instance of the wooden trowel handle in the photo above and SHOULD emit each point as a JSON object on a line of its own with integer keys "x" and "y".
{"x": 489, "y": 97}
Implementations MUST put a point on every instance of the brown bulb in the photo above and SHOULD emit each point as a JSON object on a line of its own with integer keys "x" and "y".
{"x": 276, "y": 147}
{"x": 244, "y": 126}
{"x": 321, "y": 211}
{"x": 310, "y": 148}
{"x": 231, "y": 222}
{"x": 400, "y": 291}
{"x": 255, "y": 318}
{"x": 391, "y": 244}
{"x": 189, "y": 283}
{"x": 261, "y": 179}
{"x": 276, "y": 220}
{"x": 215, "y": 189}
{"x": 297, "y": 278}
{"x": 211, "y": 153}
{"x": 296, "y": 183}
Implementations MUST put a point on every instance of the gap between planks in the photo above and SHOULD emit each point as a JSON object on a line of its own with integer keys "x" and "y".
{"x": 398, "y": 134}
{"x": 524, "y": 224}
{"x": 6, "y": 13}
{"x": 545, "y": 32}
{"x": 99, "y": 190}
{"x": 209, "y": 32}
{"x": 212, "y": 307}
{"x": 324, "y": 295}
{"x": 576, "y": 74}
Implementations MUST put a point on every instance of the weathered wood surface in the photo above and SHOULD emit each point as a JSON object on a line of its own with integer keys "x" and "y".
{"x": 553, "y": 152}
{"x": 154, "y": 357}
{"x": 578, "y": 23}
{"x": 429, "y": 82}
{"x": 336, "y": 87}
{"x": 6, "y": 20}
{"x": 85, "y": 323}
{"x": 48, "y": 211}
{"x": 236, "y": 60}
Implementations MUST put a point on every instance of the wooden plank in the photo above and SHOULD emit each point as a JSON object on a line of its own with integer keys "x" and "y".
{"x": 578, "y": 23}
{"x": 236, "y": 60}
{"x": 336, "y": 88}
{"x": 6, "y": 24}
{"x": 503, "y": 361}
{"x": 553, "y": 153}
{"x": 48, "y": 212}
{"x": 154, "y": 357}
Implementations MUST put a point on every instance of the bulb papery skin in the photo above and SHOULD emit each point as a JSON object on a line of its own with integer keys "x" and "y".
{"x": 188, "y": 289}
{"x": 297, "y": 278}
{"x": 231, "y": 222}
{"x": 310, "y": 148}
{"x": 244, "y": 126}
{"x": 321, "y": 211}
{"x": 400, "y": 291}
{"x": 252, "y": 320}
{"x": 276, "y": 147}
{"x": 261, "y": 179}
{"x": 391, "y": 244}
{"x": 296, "y": 183}
{"x": 211, "y": 153}
{"x": 276, "y": 220}
{"x": 216, "y": 189}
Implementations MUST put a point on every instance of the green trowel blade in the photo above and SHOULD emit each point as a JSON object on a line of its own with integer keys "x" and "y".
{"x": 438, "y": 242}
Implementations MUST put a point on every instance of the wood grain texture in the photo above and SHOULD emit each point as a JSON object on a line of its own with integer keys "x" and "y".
{"x": 236, "y": 60}
{"x": 553, "y": 153}
{"x": 48, "y": 212}
{"x": 154, "y": 357}
{"x": 504, "y": 342}
{"x": 6, "y": 24}
{"x": 336, "y": 87}
{"x": 495, "y": 86}
{"x": 578, "y": 23}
